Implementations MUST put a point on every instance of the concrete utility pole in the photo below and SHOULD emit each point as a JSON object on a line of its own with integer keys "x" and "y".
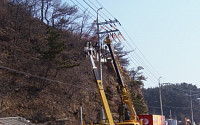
{"x": 103, "y": 117}
{"x": 161, "y": 109}
{"x": 99, "y": 45}
{"x": 81, "y": 114}
{"x": 191, "y": 107}
{"x": 170, "y": 114}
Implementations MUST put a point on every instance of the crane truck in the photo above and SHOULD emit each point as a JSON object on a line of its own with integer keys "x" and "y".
{"x": 132, "y": 118}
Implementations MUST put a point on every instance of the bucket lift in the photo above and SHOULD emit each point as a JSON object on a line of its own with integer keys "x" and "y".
{"x": 89, "y": 50}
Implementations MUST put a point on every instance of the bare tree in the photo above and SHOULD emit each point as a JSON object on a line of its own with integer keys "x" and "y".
{"x": 64, "y": 15}
{"x": 83, "y": 24}
{"x": 42, "y": 9}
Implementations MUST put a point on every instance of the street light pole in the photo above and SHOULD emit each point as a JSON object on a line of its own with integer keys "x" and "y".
{"x": 99, "y": 45}
{"x": 161, "y": 109}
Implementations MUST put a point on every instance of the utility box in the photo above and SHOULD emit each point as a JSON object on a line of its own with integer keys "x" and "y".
{"x": 152, "y": 119}
{"x": 172, "y": 122}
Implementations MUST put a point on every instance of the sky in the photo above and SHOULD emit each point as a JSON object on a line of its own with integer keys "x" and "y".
{"x": 164, "y": 34}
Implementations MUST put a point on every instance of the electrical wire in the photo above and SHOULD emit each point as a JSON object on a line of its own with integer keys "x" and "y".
{"x": 104, "y": 8}
{"x": 43, "y": 78}
{"x": 93, "y": 9}
{"x": 92, "y": 15}
{"x": 141, "y": 60}
{"x": 137, "y": 61}
{"x": 170, "y": 107}
{"x": 77, "y": 86}
{"x": 176, "y": 107}
{"x": 151, "y": 72}
{"x": 139, "y": 50}
{"x": 51, "y": 80}
{"x": 98, "y": 8}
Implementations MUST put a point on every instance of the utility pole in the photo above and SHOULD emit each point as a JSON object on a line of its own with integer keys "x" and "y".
{"x": 98, "y": 38}
{"x": 161, "y": 109}
{"x": 191, "y": 107}
{"x": 99, "y": 46}
{"x": 81, "y": 114}
{"x": 170, "y": 114}
{"x": 100, "y": 65}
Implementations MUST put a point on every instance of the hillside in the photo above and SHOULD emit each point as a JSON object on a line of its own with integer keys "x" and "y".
{"x": 48, "y": 87}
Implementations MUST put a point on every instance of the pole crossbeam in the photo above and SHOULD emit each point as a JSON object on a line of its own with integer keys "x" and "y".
{"x": 108, "y": 22}
{"x": 107, "y": 31}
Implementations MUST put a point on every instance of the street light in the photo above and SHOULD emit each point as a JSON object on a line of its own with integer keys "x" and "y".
{"x": 161, "y": 109}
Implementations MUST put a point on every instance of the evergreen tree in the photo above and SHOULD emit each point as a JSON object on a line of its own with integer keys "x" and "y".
{"x": 139, "y": 102}
{"x": 54, "y": 48}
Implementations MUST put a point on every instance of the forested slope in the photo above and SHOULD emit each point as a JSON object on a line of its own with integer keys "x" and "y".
{"x": 177, "y": 98}
{"x": 44, "y": 73}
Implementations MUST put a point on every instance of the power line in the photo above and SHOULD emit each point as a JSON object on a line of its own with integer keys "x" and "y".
{"x": 169, "y": 107}
{"x": 104, "y": 8}
{"x": 90, "y": 6}
{"x": 141, "y": 61}
{"x": 130, "y": 54}
{"x": 82, "y": 7}
{"x": 93, "y": 9}
{"x": 43, "y": 78}
{"x": 173, "y": 86}
{"x": 138, "y": 49}
{"x": 77, "y": 86}
{"x": 98, "y": 8}
{"x": 50, "y": 80}
{"x": 148, "y": 69}
{"x": 137, "y": 61}
{"x": 139, "y": 58}
{"x": 151, "y": 72}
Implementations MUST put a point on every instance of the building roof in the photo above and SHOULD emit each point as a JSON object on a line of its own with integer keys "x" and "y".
{"x": 14, "y": 121}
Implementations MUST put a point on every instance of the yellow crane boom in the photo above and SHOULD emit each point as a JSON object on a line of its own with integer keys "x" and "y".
{"x": 124, "y": 90}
